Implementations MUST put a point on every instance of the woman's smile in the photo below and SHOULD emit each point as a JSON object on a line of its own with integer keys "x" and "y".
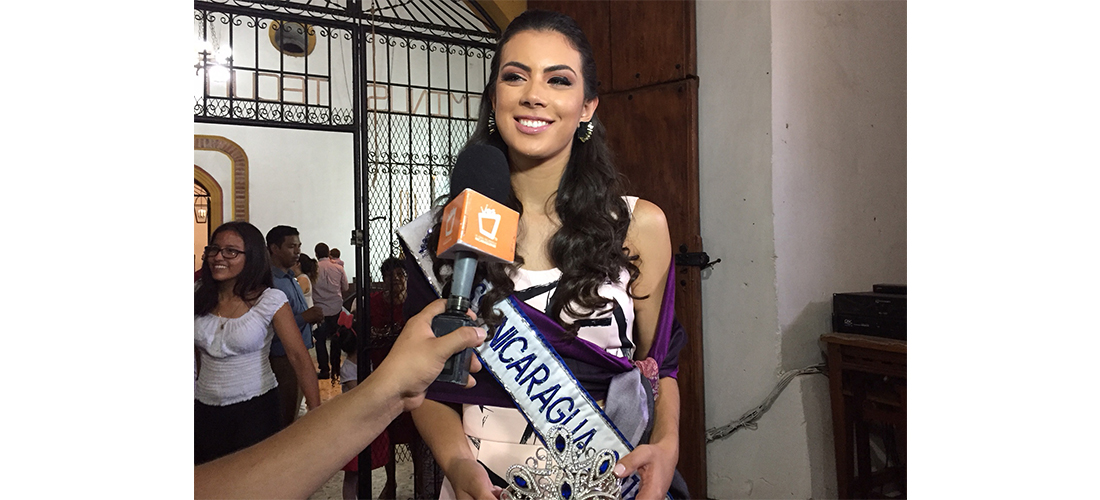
{"x": 529, "y": 125}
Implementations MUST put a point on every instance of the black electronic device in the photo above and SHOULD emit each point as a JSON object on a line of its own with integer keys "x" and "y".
{"x": 870, "y": 313}
{"x": 895, "y": 289}
{"x": 869, "y": 325}
{"x": 870, "y": 304}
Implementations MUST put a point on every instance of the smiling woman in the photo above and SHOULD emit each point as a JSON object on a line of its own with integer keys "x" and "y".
{"x": 237, "y": 314}
{"x": 590, "y": 262}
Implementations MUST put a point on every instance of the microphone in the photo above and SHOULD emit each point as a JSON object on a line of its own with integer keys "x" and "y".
{"x": 476, "y": 224}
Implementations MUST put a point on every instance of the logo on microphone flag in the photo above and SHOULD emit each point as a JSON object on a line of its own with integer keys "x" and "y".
{"x": 487, "y": 214}
{"x": 495, "y": 235}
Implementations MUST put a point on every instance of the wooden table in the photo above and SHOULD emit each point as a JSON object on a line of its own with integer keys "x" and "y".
{"x": 866, "y": 385}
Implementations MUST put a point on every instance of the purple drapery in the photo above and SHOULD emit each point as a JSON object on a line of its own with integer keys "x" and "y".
{"x": 592, "y": 366}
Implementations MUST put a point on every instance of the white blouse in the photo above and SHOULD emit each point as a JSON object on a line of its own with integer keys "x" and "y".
{"x": 233, "y": 352}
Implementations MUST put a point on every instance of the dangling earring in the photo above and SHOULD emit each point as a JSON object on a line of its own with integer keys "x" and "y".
{"x": 584, "y": 131}
{"x": 492, "y": 123}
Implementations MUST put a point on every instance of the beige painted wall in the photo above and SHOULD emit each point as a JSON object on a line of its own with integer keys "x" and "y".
{"x": 800, "y": 197}
{"x": 300, "y": 178}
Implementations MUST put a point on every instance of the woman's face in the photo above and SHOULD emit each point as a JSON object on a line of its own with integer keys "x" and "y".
{"x": 539, "y": 100}
{"x": 220, "y": 267}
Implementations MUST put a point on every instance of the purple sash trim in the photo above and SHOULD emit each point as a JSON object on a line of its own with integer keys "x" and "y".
{"x": 572, "y": 347}
{"x": 663, "y": 337}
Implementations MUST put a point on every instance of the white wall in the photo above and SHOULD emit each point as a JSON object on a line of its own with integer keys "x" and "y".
{"x": 838, "y": 97}
{"x": 800, "y": 197}
{"x": 735, "y": 180}
{"x": 299, "y": 178}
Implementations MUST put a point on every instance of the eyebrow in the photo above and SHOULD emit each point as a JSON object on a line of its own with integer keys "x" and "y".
{"x": 549, "y": 69}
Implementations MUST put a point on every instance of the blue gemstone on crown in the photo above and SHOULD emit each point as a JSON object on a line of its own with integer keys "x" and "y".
{"x": 564, "y": 472}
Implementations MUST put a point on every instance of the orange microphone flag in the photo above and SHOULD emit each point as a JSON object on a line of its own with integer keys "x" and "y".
{"x": 476, "y": 223}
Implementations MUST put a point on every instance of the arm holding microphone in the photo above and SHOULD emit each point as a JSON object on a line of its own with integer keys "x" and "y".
{"x": 294, "y": 462}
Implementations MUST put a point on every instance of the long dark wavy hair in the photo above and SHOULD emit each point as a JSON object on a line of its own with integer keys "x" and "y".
{"x": 254, "y": 278}
{"x": 589, "y": 247}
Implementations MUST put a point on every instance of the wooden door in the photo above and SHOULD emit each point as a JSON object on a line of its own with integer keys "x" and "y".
{"x": 645, "y": 56}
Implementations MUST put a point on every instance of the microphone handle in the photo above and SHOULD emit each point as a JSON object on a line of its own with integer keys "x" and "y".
{"x": 457, "y": 368}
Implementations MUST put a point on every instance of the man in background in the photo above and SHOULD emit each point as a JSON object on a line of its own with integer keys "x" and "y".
{"x": 284, "y": 245}
{"x": 328, "y": 293}
{"x": 334, "y": 255}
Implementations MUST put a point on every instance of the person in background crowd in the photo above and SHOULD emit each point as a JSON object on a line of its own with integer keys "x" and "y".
{"x": 284, "y": 245}
{"x": 328, "y": 292}
{"x": 238, "y": 311}
{"x": 334, "y": 254}
{"x": 387, "y": 320}
{"x": 306, "y": 271}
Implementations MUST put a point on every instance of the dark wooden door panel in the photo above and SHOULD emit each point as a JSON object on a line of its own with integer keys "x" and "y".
{"x": 650, "y": 43}
{"x": 651, "y": 132}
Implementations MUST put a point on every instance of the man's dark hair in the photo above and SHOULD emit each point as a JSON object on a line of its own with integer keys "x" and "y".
{"x": 390, "y": 264}
{"x": 278, "y": 234}
{"x": 321, "y": 250}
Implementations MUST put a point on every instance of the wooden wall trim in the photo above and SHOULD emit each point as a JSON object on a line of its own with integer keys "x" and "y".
{"x": 239, "y": 164}
{"x": 216, "y": 195}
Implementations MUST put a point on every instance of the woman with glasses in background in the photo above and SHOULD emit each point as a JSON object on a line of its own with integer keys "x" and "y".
{"x": 237, "y": 312}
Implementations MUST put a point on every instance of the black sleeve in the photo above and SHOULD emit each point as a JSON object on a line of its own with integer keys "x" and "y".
{"x": 417, "y": 287}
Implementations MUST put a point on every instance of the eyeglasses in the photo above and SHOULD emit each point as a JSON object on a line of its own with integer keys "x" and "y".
{"x": 228, "y": 253}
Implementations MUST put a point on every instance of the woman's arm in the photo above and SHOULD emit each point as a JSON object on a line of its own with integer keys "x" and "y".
{"x": 296, "y": 353}
{"x": 655, "y": 462}
{"x": 441, "y": 428}
{"x": 648, "y": 239}
{"x": 299, "y": 459}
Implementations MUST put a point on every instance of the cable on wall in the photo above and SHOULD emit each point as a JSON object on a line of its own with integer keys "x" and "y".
{"x": 748, "y": 420}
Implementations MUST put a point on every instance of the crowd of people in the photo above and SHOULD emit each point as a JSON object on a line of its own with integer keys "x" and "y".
{"x": 592, "y": 263}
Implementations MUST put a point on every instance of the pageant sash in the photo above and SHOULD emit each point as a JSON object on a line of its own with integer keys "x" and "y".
{"x": 545, "y": 391}
{"x": 529, "y": 369}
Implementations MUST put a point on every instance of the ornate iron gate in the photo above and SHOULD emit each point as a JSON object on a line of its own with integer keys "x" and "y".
{"x": 403, "y": 76}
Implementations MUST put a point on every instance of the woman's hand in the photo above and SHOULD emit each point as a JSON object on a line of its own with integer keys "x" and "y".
{"x": 655, "y": 465}
{"x": 470, "y": 481}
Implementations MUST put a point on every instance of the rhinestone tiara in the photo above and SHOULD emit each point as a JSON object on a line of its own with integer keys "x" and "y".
{"x": 570, "y": 473}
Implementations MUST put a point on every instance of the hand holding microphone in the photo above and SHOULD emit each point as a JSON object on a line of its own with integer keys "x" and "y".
{"x": 476, "y": 224}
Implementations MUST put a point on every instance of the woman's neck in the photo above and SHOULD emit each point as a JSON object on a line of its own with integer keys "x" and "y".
{"x": 535, "y": 184}
{"x": 225, "y": 289}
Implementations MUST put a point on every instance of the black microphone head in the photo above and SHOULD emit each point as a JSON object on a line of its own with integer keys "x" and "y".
{"x": 483, "y": 169}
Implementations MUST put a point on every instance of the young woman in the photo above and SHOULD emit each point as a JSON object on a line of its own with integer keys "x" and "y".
{"x": 587, "y": 256}
{"x": 237, "y": 313}
{"x": 306, "y": 272}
